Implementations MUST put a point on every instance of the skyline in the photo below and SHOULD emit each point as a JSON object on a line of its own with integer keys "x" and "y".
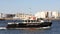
{"x": 28, "y": 6}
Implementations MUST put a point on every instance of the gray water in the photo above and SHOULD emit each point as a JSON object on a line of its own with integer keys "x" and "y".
{"x": 55, "y": 29}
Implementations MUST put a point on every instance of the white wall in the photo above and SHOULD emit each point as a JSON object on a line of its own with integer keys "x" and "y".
{"x": 40, "y": 14}
{"x": 55, "y": 14}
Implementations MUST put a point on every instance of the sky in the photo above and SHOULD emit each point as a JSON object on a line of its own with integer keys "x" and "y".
{"x": 28, "y": 6}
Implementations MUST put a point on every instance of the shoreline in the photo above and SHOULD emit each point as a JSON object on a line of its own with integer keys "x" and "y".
{"x": 20, "y": 19}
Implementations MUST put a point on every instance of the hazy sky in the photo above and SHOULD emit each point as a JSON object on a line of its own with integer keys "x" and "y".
{"x": 28, "y": 6}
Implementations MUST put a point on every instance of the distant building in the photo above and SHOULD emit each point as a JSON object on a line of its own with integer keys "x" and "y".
{"x": 24, "y": 16}
{"x": 47, "y": 14}
{"x": 10, "y": 15}
{"x": 2, "y": 15}
{"x": 41, "y": 14}
{"x": 55, "y": 14}
{"x": 58, "y": 16}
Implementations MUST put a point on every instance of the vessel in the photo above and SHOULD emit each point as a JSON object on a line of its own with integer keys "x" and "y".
{"x": 26, "y": 24}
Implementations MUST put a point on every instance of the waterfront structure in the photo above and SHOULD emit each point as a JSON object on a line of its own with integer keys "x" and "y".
{"x": 47, "y": 14}
{"x": 55, "y": 14}
{"x": 52, "y": 14}
{"x": 58, "y": 16}
{"x": 10, "y": 15}
{"x": 41, "y": 14}
{"x": 2, "y": 15}
{"x": 24, "y": 16}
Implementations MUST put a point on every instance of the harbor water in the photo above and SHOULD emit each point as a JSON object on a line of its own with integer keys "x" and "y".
{"x": 55, "y": 29}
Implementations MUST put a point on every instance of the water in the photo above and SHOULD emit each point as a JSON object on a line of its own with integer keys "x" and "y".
{"x": 55, "y": 29}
